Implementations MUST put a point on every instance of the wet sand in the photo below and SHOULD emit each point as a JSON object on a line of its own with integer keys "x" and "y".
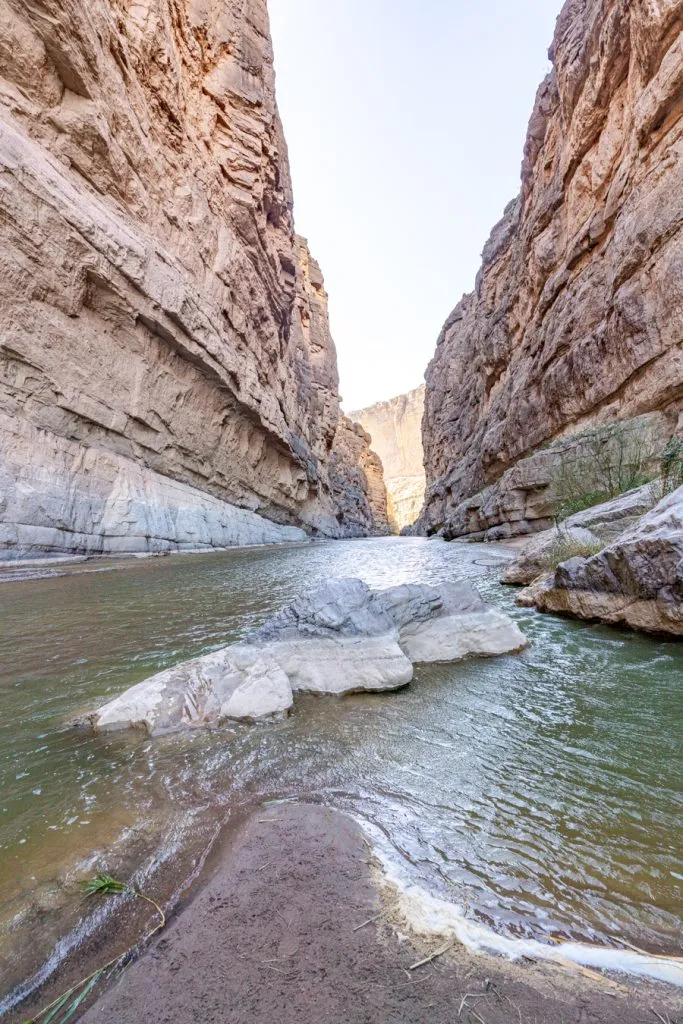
{"x": 272, "y": 936}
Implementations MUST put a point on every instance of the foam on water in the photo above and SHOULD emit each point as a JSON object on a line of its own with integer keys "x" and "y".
{"x": 541, "y": 789}
{"x": 431, "y": 917}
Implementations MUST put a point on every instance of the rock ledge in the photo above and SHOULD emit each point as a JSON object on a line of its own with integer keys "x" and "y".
{"x": 636, "y": 581}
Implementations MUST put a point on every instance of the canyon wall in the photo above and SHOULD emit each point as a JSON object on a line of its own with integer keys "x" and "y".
{"x": 395, "y": 429}
{"x": 167, "y": 375}
{"x": 577, "y": 314}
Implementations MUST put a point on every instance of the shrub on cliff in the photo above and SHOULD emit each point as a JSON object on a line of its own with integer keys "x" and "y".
{"x": 602, "y": 463}
{"x": 672, "y": 465}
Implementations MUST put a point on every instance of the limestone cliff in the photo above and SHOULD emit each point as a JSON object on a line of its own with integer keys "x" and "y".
{"x": 395, "y": 434}
{"x": 357, "y": 481}
{"x": 165, "y": 354}
{"x": 577, "y": 314}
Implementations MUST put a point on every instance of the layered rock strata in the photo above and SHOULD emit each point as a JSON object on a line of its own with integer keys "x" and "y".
{"x": 357, "y": 483}
{"x": 395, "y": 429}
{"x": 636, "y": 581}
{"x": 339, "y": 638}
{"x": 593, "y": 528}
{"x": 524, "y": 500}
{"x": 161, "y": 326}
{"x": 577, "y": 314}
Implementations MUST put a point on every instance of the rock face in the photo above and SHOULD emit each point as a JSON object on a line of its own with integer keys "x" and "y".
{"x": 159, "y": 318}
{"x": 544, "y": 549}
{"x": 593, "y": 528}
{"x": 636, "y": 581}
{"x": 357, "y": 483}
{"x": 395, "y": 430}
{"x": 523, "y": 502}
{"x": 577, "y": 315}
{"x": 339, "y": 638}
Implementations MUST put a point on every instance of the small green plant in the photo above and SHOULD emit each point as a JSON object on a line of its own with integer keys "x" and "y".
{"x": 66, "y": 1005}
{"x": 104, "y": 885}
{"x": 565, "y": 547}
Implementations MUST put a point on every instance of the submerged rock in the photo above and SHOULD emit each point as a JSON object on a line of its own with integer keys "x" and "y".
{"x": 636, "y": 581}
{"x": 339, "y": 638}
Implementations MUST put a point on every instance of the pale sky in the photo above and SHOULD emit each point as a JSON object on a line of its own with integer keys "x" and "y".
{"x": 405, "y": 121}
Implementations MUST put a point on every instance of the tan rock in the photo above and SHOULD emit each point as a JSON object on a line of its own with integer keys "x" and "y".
{"x": 155, "y": 303}
{"x": 577, "y": 315}
{"x": 523, "y": 501}
{"x": 636, "y": 581}
{"x": 357, "y": 483}
{"x": 536, "y": 556}
{"x": 395, "y": 429}
{"x": 590, "y": 529}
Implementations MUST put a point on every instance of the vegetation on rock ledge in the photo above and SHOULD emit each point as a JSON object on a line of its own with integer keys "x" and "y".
{"x": 607, "y": 461}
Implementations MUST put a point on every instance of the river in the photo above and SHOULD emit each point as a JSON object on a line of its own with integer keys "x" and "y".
{"x": 540, "y": 790}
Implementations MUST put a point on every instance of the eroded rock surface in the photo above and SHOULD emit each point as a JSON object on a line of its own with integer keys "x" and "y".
{"x": 577, "y": 315}
{"x": 636, "y": 581}
{"x": 594, "y": 527}
{"x": 232, "y": 683}
{"x": 157, "y": 310}
{"x": 339, "y": 638}
{"x": 357, "y": 483}
{"x": 395, "y": 429}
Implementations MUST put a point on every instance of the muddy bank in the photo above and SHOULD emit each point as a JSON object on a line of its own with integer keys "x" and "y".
{"x": 273, "y": 935}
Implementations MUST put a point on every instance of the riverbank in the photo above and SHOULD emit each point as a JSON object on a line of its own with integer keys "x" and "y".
{"x": 541, "y": 786}
{"x": 277, "y": 931}
{"x": 16, "y": 570}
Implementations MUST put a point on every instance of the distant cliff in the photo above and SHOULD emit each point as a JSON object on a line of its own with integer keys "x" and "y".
{"x": 167, "y": 375}
{"x": 395, "y": 431}
{"x": 577, "y": 314}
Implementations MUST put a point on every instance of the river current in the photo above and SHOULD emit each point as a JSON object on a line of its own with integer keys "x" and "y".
{"x": 541, "y": 791}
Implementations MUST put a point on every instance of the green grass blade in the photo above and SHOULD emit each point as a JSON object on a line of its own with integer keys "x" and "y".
{"x": 58, "y": 1006}
{"x": 79, "y": 999}
{"x": 51, "y": 1009}
{"x": 103, "y": 885}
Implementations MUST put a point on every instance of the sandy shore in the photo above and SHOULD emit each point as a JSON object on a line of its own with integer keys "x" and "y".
{"x": 272, "y": 936}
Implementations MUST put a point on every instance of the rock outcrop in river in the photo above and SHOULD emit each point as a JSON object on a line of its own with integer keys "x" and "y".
{"x": 635, "y": 581}
{"x": 339, "y": 638}
{"x": 395, "y": 429}
{"x": 577, "y": 314}
{"x": 166, "y": 364}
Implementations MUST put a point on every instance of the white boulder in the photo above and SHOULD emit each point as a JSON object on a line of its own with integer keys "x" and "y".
{"x": 232, "y": 683}
{"x": 339, "y": 638}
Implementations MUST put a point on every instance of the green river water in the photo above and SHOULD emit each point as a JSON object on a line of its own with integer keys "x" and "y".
{"x": 541, "y": 790}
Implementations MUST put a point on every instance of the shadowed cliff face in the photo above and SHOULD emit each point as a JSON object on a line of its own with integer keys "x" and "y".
{"x": 577, "y": 315}
{"x": 158, "y": 316}
{"x": 395, "y": 434}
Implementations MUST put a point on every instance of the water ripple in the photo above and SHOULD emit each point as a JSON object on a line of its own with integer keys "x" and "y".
{"x": 544, "y": 786}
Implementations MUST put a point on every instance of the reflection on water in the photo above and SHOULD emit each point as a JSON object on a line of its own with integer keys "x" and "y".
{"x": 544, "y": 785}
